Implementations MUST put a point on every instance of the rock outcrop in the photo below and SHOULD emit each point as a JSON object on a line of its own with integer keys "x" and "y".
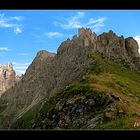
{"x": 73, "y": 113}
{"x": 119, "y": 49}
{"x": 111, "y": 46}
{"x": 50, "y": 73}
{"x": 7, "y": 77}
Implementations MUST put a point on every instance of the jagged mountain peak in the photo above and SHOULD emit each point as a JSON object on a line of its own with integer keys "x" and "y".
{"x": 44, "y": 53}
{"x": 8, "y": 77}
{"x": 51, "y": 73}
{"x": 109, "y": 44}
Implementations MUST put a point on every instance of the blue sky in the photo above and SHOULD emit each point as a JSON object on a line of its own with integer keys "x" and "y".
{"x": 24, "y": 32}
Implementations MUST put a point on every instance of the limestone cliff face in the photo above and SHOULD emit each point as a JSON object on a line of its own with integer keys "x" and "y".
{"x": 50, "y": 73}
{"x": 7, "y": 77}
{"x": 119, "y": 49}
{"x": 132, "y": 47}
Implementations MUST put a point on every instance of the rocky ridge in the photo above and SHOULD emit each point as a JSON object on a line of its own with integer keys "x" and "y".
{"x": 50, "y": 73}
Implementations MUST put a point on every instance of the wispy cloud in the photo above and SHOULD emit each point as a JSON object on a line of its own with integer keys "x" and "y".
{"x": 20, "y": 68}
{"x": 17, "y": 30}
{"x": 53, "y": 34}
{"x": 20, "y": 72}
{"x": 6, "y": 22}
{"x": 137, "y": 38}
{"x": 18, "y": 18}
{"x": 4, "y": 49}
{"x": 95, "y": 24}
{"x": 22, "y": 64}
{"x": 23, "y": 54}
{"x": 42, "y": 36}
{"x": 76, "y": 21}
{"x": 71, "y": 22}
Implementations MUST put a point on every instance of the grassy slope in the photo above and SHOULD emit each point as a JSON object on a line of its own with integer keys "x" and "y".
{"x": 124, "y": 83}
{"x": 104, "y": 77}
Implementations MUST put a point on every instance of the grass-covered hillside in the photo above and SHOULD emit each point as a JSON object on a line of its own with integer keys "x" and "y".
{"x": 107, "y": 97}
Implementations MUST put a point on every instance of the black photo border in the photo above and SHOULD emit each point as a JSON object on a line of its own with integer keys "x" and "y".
{"x": 70, "y": 5}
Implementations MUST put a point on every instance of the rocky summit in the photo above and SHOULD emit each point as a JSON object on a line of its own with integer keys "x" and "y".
{"x": 88, "y": 84}
{"x": 8, "y": 77}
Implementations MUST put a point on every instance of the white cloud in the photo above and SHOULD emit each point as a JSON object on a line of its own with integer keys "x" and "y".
{"x": 21, "y": 64}
{"x": 41, "y": 36}
{"x": 18, "y": 18}
{"x": 20, "y": 72}
{"x": 4, "y": 23}
{"x": 17, "y": 30}
{"x": 76, "y": 22}
{"x": 4, "y": 49}
{"x": 137, "y": 38}
{"x": 95, "y": 24}
{"x": 71, "y": 22}
{"x": 93, "y": 21}
{"x": 53, "y": 34}
{"x": 20, "y": 68}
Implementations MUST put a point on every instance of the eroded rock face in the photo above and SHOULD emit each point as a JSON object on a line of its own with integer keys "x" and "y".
{"x": 79, "y": 112}
{"x": 119, "y": 49}
{"x": 7, "y": 77}
{"x": 111, "y": 46}
{"x": 132, "y": 47}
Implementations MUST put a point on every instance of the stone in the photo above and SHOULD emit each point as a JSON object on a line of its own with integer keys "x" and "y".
{"x": 116, "y": 97}
{"x": 91, "y": 102}
{"x": 8, "y": 77}
{"x": 95, "y": 121}
{"x": 107, "y": 99}
{"x": 132, "y": 47}
{"x": 109, "y": 115}
{"x": 121, "y": 112}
